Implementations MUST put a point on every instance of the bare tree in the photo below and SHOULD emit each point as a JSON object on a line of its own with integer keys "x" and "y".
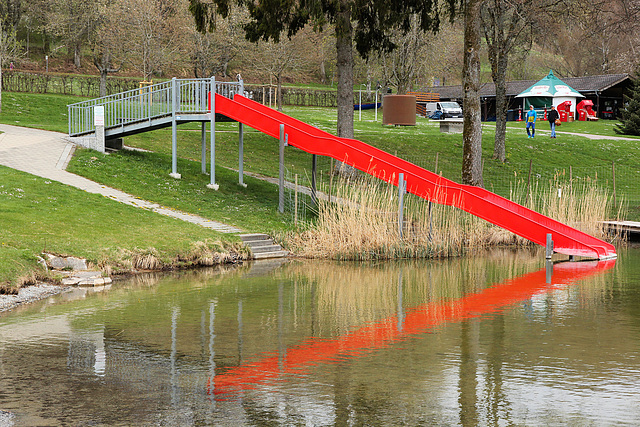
{"x": 73, "y": 21}
{"x": 153, "y": 31}
{"x": 212, "y": 53}
{"x": 504, "y": 25}
{"x": 278, "y": 58}
{"x": 10, "y": 47}
{"x": 402, "y": 66}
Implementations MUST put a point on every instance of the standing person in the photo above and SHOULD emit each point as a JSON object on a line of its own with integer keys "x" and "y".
{"x": 531, "y": 122}
{"x": 552, "y": 117}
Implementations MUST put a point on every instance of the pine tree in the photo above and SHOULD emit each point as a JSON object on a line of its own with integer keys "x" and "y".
{"x": 630, "y": 120}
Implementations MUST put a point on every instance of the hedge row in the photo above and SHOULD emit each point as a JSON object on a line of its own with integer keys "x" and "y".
{"x": 63, "y": 84}
{"x": 89, "y": 86}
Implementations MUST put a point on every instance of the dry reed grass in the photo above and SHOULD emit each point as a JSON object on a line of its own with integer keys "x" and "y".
{"x": 363, "y": 224}
{"x": 200, "y": 254}
{"x": 29, "y": 279}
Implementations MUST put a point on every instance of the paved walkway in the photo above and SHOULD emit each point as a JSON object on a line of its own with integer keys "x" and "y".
{"x": 584, "y": 135}
{"x": 46, "y": 154}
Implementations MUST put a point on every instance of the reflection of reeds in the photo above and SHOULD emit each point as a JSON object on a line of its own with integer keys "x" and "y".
{"x": 361, "y": 222}
{"x": 355, "y": 293}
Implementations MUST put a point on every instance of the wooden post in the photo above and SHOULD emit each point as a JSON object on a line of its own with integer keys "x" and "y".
{"x": 570, "y": 177}
{"x": 435, "y": 169}
{"x": 613, "y": 170}
{"x": 529, "y": 179}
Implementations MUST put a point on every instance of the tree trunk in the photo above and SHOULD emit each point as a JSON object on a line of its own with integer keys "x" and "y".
{"x": 103, "y": 81}
{"x": 344, "y": 51}
{"x": 323, "y": 72}
{"x": 500, "y": 81}
{"x": 472, "y": 133}
{"x": 279, "y": 92}
{"x": 76, "y": 57}
{"x": 0, "y": 87}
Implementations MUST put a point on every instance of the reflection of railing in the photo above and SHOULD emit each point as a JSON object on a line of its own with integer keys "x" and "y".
{"x": 146, "y": 103}
{"x": 414, "y": 321}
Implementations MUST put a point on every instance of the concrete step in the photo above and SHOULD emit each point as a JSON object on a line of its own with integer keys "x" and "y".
{"x": 262, "y": 246}
{"x": 265, "y": 248}
{"x": 258, "y": 243}
{"x": 276, "y": 254}
{"x": 254, "y": 236}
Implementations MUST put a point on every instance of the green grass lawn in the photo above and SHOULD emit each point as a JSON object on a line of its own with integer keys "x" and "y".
{"x": 48, "y": 112}
{"x": 39, "y": 215}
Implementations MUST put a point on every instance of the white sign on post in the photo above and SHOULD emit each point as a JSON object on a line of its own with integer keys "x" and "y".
{"x": 98, "y": 115}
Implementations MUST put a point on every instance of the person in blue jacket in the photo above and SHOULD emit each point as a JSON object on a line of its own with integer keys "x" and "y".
{"x": 531, "y": 122}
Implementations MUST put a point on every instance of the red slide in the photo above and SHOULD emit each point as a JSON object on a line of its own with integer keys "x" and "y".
{"x": 421, "y": 182}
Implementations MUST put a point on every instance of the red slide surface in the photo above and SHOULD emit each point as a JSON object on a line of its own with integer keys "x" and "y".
{"x": 421, "y": 182}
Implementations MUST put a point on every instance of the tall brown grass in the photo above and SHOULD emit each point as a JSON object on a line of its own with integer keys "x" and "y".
{"x": 200, "y": 254}
{"x": 361, "y": 221}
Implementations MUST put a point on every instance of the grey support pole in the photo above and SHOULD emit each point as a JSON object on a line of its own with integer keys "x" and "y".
{"x": 174, "y": 130}
{"x": 241, "y": 155}
{"x": 401, "y": 189}
{"x": 549, "y": 247}
{"x": 98, "y": 121}
{"x": 314, "y": 167}
{"x": 400, "y": 306}
{"x": 241, "y": 138}
{"x": 281, "y": 172}
{"x": 212, "y": 184}
{"x": 203, "y": 157}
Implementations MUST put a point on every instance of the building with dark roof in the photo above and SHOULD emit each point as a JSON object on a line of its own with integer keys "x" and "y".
{"x": 606, "y": 92}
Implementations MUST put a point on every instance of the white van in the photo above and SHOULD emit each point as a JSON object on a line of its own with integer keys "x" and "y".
{"x": 448, "y": 109}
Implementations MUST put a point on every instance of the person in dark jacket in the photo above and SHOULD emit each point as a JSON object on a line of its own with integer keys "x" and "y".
{"x": 552, "y": 116}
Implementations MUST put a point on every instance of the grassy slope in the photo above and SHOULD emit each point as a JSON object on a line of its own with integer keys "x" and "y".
{"x": 37, "y": 215}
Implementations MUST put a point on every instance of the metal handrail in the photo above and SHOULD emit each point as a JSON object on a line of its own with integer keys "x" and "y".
{"x": 147, "y": 103}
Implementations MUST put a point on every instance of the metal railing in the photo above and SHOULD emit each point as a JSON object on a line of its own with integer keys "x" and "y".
{"x": 177, "y": 96}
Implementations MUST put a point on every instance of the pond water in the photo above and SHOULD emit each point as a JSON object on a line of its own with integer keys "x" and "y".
{"x": 497, "y": 339}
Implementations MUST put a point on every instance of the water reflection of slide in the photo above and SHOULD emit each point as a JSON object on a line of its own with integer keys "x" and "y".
{"x": 421, "y": 182}
{"x": 414, "y": 321}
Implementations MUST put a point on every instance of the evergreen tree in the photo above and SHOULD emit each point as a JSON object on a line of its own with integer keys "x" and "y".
{"x": 630, "y": 120}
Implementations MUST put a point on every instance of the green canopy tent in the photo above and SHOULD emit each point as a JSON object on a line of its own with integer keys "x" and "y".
{"x": 549, "y": 91}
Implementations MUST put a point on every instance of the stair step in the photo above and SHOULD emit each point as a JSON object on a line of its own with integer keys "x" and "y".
{"x": 254, "y": 236}
{"x": 262, "y": 246}
{"x": 258, "y": 243}
{"x": 276, "y": 254}
{"x": 269, "y": 248}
